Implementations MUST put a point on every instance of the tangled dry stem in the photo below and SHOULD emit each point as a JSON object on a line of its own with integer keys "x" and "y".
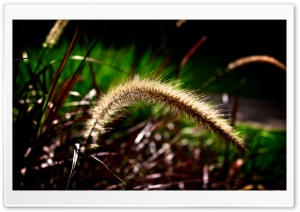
{"x": 179, "y": 100}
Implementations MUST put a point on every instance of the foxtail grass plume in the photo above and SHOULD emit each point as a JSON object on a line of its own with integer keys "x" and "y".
{"x": 151, "y": 91}
{"x": 180, "y": 22}
{"x": 255, "y": 58}
{"x": 55, "y": 33}
{"x": 245, "y": 61}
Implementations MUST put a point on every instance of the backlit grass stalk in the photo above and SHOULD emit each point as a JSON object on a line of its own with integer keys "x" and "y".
{"x": 151, "y": 91}
{"x": 245, "y": 61}
{"x": 55, "y": 33}
{"x": 254, "y": 59}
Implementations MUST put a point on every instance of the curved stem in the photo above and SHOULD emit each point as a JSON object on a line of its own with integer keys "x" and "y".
{"x": 179, "y": 100}
{"x": 256, "y": 58}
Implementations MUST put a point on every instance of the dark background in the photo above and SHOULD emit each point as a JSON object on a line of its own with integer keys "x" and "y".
{"x": 232, "y": 38}
{"x": 227, "y": 40}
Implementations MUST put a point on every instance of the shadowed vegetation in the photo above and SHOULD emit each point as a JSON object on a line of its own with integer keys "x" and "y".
{"x": 66, "y": 69}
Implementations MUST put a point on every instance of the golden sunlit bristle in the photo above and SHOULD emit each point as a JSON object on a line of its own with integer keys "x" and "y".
{"x": 55, "y": 33}
{"x": 148, "y": 90}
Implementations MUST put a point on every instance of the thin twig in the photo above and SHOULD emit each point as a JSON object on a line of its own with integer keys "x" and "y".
{"x": 107, "y": 168}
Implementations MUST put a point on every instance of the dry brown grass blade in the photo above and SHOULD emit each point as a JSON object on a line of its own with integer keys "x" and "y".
{"x": 67, "y": 88}
{"x": 54, "y": 83}
{"x": 191, "y": 51}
